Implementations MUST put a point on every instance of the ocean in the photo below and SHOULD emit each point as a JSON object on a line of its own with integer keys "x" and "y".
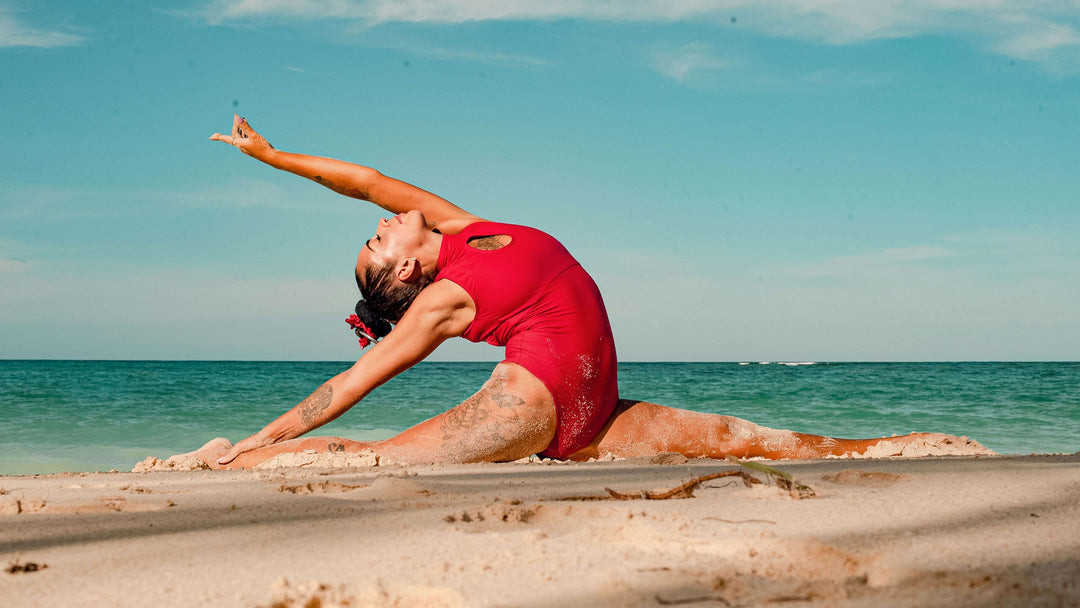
{"x": 101, "y": 415}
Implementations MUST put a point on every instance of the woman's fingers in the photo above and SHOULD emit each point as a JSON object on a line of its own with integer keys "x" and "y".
{"x": 236, "y": 122}
{"x": 245, "y": 445}
{"x": 240, "y": 131}
{"x": 239, "y": 448}
{"x": 244, "y": 138}
{"x": 225, "y": 138}
{"x": 229, "y": 456}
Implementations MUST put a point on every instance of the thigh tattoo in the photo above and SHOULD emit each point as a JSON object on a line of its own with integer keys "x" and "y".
{"x": 467, "y": 415}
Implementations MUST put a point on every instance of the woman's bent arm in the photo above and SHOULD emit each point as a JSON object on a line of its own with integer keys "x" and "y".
{"x": 349, "y": 179}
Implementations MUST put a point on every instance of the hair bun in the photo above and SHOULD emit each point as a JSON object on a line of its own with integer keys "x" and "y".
{"x": 378, "y": 325}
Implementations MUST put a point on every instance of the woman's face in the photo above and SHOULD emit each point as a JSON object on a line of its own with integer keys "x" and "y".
{"x": 395, "y": 239}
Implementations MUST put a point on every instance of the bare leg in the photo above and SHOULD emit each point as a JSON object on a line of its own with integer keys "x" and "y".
{"x": 510, "y": 417}
{"x": 214, "y": 449}
{"x": 638, "y": 428}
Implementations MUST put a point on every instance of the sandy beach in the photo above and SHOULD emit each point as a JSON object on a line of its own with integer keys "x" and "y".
{"x": 940, "y": 531}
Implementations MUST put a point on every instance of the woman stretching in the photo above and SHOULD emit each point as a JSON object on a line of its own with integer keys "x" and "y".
{"x": 435, "y": 272}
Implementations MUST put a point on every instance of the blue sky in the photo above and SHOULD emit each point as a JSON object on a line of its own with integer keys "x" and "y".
{"x": 806, "y": 180}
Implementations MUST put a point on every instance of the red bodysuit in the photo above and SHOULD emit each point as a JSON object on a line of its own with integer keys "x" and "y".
{"x": 534, "y": 298}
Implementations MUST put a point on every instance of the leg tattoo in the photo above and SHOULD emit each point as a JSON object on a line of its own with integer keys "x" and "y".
{"x": 467, "y": 415}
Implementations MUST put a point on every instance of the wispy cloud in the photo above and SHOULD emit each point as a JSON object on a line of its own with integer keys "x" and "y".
{"x": 835, "y": 77}
{"x": 871, "y": 262}
{"x": 689, "y": 63}
{"x": 14, "y": 33}
{"x": 458, "y": 11}
{"x": 12, "y": 266}
{"x": 51, "y": 203}
{"x": 1045, "y": 31}
{"x": 13, "y": 256}
{"x": 1018, "y": 252}
{"x": 498, "y": 59}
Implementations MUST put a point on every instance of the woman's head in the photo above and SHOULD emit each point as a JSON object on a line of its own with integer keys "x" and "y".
{"x": 388, "y": 271}
{"x": 386, "y": 295}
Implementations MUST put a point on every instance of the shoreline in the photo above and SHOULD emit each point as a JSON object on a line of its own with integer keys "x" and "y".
{"x": 926, "y": 531}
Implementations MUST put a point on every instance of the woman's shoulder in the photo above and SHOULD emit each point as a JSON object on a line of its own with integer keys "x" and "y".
{"x": 473, "y": 225}
{"x": 459, "y": 224}
{"x": 481, "y": 227}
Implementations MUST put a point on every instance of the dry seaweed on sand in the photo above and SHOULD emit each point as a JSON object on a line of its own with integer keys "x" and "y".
{"x": 780, "y": 479}
{"x": 17, "y": 567}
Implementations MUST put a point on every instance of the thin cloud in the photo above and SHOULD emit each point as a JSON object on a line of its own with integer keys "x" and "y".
{"x": 497, "y": 59}
{"x": 689, "y": 63}
{"x": 300, "y": 70}
{"x": 872, "y": 262}
{"x": 15, "y": 33}
{"x": 49, "y": 203}
{"x": 1044, "y": 31}
{"x": 835, "y": 77}
{"x": 457, "y": 11}
{"x": 13, "y": 266}
{"x": 13, "y": 256}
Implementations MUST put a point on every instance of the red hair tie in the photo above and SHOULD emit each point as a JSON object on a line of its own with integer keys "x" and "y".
{"x": 366, "y": 335}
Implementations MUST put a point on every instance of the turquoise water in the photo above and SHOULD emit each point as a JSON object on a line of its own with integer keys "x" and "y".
{"x": 99, "y": 415}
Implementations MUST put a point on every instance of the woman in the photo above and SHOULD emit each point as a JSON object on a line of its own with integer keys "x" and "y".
{"x": 436, "y": 272}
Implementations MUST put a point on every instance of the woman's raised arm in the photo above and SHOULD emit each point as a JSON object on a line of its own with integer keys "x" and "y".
{"x": 350, "y": 179}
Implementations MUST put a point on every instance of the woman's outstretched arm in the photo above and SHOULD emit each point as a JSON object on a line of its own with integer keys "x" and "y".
{"x": 441, "y": 311}
{"x": 349, "y": 179}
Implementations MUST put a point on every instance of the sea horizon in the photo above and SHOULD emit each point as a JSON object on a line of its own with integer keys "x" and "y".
{"x": 101, "y": 414}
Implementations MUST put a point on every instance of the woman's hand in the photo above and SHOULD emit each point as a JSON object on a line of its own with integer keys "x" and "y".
{"x": 245, "y": 445}
{"x": 245, "y": 139}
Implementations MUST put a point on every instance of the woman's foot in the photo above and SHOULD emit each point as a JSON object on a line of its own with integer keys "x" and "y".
{"x": 208, "y": 454}
{"x": 923, "y": 444}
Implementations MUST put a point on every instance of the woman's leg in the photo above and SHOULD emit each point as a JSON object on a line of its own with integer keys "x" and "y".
{"x": 216, "y": 448}
{"x": 510, "y": 417}
{"x": 638, "y": 428}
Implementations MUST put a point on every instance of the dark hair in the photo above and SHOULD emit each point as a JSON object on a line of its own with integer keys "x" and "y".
{"x": 367, "y": 324}
{"x": 384, "y": 294}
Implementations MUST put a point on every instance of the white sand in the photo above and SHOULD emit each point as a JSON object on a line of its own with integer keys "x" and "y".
{"x": 936, "y": 531}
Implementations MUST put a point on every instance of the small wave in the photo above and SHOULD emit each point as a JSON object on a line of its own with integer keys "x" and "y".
{"x": 795, "y": 363}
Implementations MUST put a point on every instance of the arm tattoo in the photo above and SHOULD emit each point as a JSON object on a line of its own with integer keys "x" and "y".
{"x": 336, "y": 188}
{"x": 315, "y": 403}
{"x": 335, "y": 447}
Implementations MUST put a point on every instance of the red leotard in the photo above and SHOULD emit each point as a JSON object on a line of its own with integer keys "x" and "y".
{"x": 534, "y": 298}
